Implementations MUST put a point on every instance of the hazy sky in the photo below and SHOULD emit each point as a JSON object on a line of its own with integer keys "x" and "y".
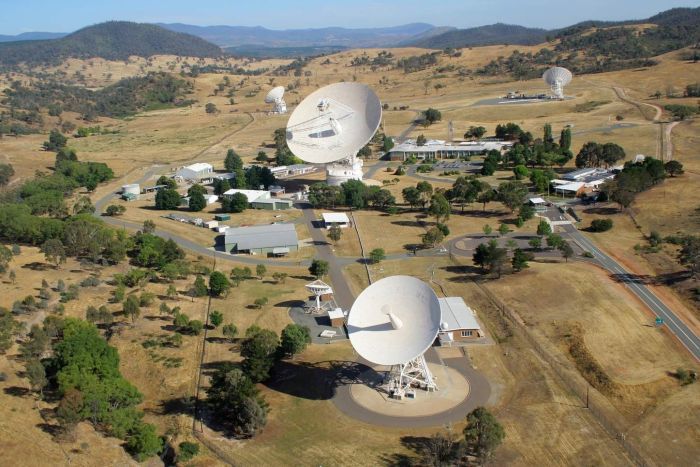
{"x": 68, "y": 15}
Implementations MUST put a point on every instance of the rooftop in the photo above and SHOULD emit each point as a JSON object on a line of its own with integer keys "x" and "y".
{"x": 335, "y": 218}
{"x": 252, "y": 195}
{"x": 439, "y": 145}
{"x": 262, "y": 236}
{"x": 199, "y": 166}
{"x": 457, "y": 315}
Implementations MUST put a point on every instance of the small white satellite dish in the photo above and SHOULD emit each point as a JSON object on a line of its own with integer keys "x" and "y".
{"x": 331, "y": 125}
{"x": 274, "y": 97}
{"x": 557, "y": 77}
{"x": 393, "y": 322}
{"x": 318, "y": 288}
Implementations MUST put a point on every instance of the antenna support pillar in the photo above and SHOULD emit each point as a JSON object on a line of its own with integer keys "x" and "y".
{"x": 414, "y": 373}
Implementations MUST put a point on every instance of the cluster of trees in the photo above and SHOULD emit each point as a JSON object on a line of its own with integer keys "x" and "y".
{"x": 593, "y": 154}
{"x": 236, "y": 402}
{"x": 633, "y": 179}
{"x": 530, "y": 151}
{"x": 6, "y": 173}
{"x": 681, "y": 112}
{"x": 352, "y": 193}
{"x": 382, "y": 59}
{"x": 418, "y": 62}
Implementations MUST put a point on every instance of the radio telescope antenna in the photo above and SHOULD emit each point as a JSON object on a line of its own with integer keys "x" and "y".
{"x": 274, "y": 97}
{"x": 331, "y": 125}
{"x": 557, "y": 77}
{"x": 318, "y": 288}
{"x": 394, "y": 322}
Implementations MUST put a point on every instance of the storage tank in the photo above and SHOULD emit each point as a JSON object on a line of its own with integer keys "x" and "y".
{"x": 133, "y": 188}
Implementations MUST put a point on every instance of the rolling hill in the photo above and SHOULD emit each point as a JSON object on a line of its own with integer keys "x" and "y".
{"x": 32, "y": 36}
{"x": 483, "y": 35}
{"x": 114, "y": 40}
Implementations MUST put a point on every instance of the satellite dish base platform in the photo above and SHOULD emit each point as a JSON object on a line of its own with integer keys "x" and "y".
{"x": 413, "y": 374}
{"x": 343, "y": 170}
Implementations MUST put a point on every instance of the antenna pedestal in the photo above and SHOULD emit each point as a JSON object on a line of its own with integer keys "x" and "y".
{"x": 414, "y": 373}
{"x": 343, "y": 170}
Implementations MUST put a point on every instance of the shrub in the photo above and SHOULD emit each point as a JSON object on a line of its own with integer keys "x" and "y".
{"x": 187, "y": 451}
{"x": 91, "y": 281}
{"x": 601, "y": 225}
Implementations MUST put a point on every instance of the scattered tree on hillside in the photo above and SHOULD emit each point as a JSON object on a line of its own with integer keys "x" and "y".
{"x": 377, "y": 255}
{"x": 294, "y": 339}
{"x": 318, "y": 268}
{"x": 483, "y": 434}
{"x": 259, "y": 351}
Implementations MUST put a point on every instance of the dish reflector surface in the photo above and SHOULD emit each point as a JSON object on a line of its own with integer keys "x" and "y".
{"x": 274, "y": 94}
{"x": 334, "y": 122}
{"x": 394, "y": 320}
{"x": 557, "y": 74}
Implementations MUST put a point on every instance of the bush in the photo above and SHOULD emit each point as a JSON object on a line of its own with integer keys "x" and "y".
{"x": 601, "y": 225}
{"x": 187, "y": 451}
{"x": 686, "y": 376}
{"x": 91, "y": 281}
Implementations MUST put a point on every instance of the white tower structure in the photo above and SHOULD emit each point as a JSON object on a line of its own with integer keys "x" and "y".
{"x": 318, "y": 288}
{"x": 394, "y": 322}
{"x": 331, "y": 125}
{"x": 557, "y": 77}
{"x": 274, "y": 97}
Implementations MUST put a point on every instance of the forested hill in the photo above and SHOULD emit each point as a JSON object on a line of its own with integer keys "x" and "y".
{"x": 114, "y": 40}
{"x": 676, "y": 28}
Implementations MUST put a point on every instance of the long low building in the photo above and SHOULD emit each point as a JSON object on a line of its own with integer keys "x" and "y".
{"x": 269, "y": 239}
{"x": 200, "y": 172}
{"x": 438, "y": 149}
{"x": 261, "y": 199}
{"x": 459, "y": 322}
{"x": 580, "y": 181}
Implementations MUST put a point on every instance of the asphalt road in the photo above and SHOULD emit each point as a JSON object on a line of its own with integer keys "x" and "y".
{"x": 674, "y": 324}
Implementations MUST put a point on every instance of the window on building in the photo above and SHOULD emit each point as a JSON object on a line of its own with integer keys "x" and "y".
{"x": 467, "y": 333}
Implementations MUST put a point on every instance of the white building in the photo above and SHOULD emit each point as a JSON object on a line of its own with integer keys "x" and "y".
{"x": 208, "y": 199}
{"x": 583, "y": 180}
{"x": 201, "y": 172}
{"x": 335, "y": 218}
{"x": 252, "y": 195}
{"x": 438, "y": 149}
{"x": 459, "y": 322}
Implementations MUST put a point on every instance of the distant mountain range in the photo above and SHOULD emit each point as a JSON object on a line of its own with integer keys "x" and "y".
{"x": 236, "y": 36}
{"x": 32, "y": 36}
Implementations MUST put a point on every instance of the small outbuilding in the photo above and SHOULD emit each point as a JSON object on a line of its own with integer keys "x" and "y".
{"x": 339, "y": 219}
{"x": 459, "y": 322}
{"x": 337, "y": 317}
{"x": 222, "y": 217}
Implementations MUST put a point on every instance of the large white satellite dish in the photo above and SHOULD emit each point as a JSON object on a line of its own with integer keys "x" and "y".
{"x": 331, "y": 125}
{"x": 393, "y": 322}
{"x": 557, "y": 77}
{"x": 274, "y": 97}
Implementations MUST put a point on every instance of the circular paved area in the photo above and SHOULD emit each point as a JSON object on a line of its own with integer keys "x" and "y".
{"x": 453, "y": 389}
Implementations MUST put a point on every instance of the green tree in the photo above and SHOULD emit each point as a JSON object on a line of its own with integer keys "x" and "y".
{"x": 566, "y": 250}
{"x": 262, "y": 157}
{"x": 56, "y": 141}
{"x": 196, "y": 194}
{"x": 431, "y": 116}
{"x": 218, "y": 284}
{"x": 187, "y": 451}
{"x": 439, "y": 207}
{"x": 216, "y": 318}
{"x": 475, "y": 132}
{"x": 259, "y": 351}
{"x": 143, "y": 441}
{"x": 36, "y": 374}
{"x": 503, "y": 229}
{"x": 543, "y": 228}
{"x": 199, "y": 288}
{"x": 526, "y": 212}
{"x": 411, "y": 196}
{"x": 432, "y": 237}
{"x": 487, "y": 229}
{"x": 132, "y": 307}
{"x": 8, "y": 329}
{"x": 377, "y": 255}
{"x": 167, "y": 198}
{"x": 260, "y": 302}
{"x": 279, "y": 277}
{"x": 673, "y": 168}
{"x": 565, "y": 139}
{"x": 237, "y": 202}
{"x": 318, "y": 268}
{"x": 554, "y": 241}
{"x": 230, "y": 331}
{"x": 236, "y": 402}
{"x": 260, "y": 270}
{"x": 294, "y": 339}
{"x": 167, "y": 182}
{"x": 5, "y": 258}
{"x": 535, "y": 243}
{"x": 512, "y": 194}
{"x": 520, "y": 172}
{"x": 149, "y": 226}
{"x": 490, "y": 257}
{"x": 54, "y": 251}
{"x": 115, "y": 210}
{"x": 233, "y": 161}
{"x": 483, "y": 434}
{"x": 210, "y": 108}
{"x": 689, "y": 255}
{"x": 335, "y": 233}
{"x": 520, "y": 259}
{"x": 6, "y": 173}
{"x": 421, "y": 140}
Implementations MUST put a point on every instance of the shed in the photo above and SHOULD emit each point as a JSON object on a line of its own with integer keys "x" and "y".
{"x": 210, "y": 224}
{"x": 335, "y": 218}
{"x": 276, "y": 190}
{"x": 272, "y": 204}
{"x": 260, "y": 239}
{"x": 222, "y": 217}
{"x": 458, "y": 321}
{"x": 337, "y": 317}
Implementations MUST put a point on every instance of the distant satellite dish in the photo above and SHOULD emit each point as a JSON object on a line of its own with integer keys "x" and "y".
{"x": 331, "y": 125}
{"x": 393, "y": 322}
{"x": 274, "y": 97}
{"x": 557, "y": 77}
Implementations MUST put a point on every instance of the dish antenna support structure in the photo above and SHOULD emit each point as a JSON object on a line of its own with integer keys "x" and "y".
{"x": 318, "y": 288}
{"x": 331, "y": 125}
{"x": 274, "y": 97}
{"x": 557, "y": 77}
{"x": 394, "y": 322}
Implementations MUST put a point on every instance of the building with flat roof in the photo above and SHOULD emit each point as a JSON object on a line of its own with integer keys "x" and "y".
{"x": 335, "y": 218}
{"x": 438, "y": 149}
{"x": 581, "y": 181}
{"x": 252, "y": 195}
{"x": 269, "y": 239}
{"x": 201, "y": 172}
{"x": 261, "y": 199}
{"x": 459, "y": 322}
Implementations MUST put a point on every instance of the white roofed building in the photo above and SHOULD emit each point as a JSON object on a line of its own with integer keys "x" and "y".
{"x": 438, "y": 149}
{"x": 200, "y": 172}
{"x": 270, "y": 239}
{"x": 459, "y": 322}
{"x": 335, "y": 218}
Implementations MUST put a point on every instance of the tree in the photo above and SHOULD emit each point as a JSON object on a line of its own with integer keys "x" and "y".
{"x": 171, "y": 292}
{"x": 13, "y": 276}
{"x": 8, "y": 329}
{"x": 565, "y": 139}
{"x": 487, "y": 229}
{"x": 690, "y": 254}
{"x": 262, "y": 157}
{"x": 318, "y": 268}
{"x": 411, "y": 196}
{"x": 56, "y": 141}
{"x": 197, "y": 201}
{"x": 673, "y": 168}
{"x": 70, "y": 408}
{"x": 503, "y": 229}
{"x": 149, "y": 226}
{"x": 543, "y": 228}
{"x": 230, "y": 331}
{"x": 260, "y": 302}
{"x": 421, "y": 140}
{"x": 526, "y": 212}
{"x": 431, "y": 116}
{"x": 520, "y": 172}
{"x": 294, "y": 339}
{"x": 475, "y": 132}
{"x": 216, "y": 318}
{"x": 260, "y": 270}
{"x": 259, "y": 351}
{"x": 54, "y": 251}
{"x": 132, "y": 307}
{"x": 554, "y": 241}
{"x": 486, "y": 197}
{"x": 279, "y": 277}
{"x": 520, "y": 259}
{"x": 442, "y": 450}
{"x": 334, "y": 233}
{"x": 5, "y": 258}
{"x": 6, "y": 173}
{"x": 236, "y": 402}
{"x": 167, "y": 198}
{"x": 115, "y": 210}
{"x": 232, "y": 161}
{"x": 187, "y": 451}
{"x": 36, "y": 374}
{"x": 210, "y": 108}
{"x": 566, "y": 250}
{"x": 143, "y": 441}
{"x": 601, "y": 225}
{"x": 432, "y": 237}
{"x": 611, "y": 153}
{"x": 483, "y": 434}
{"x": 167, "y": 182}
{"x": 377, "y": 255}
{"x": 490, "y": 257}
{"x": 199, "y": 288}
{"x": 218, "y": 284}
{"x": 512, "y": 194}
{"x": 426, "y": 192}
{"x": 535, "y": 243}
{"x": 238, "y": 202}
{"x": 439, "y": 207}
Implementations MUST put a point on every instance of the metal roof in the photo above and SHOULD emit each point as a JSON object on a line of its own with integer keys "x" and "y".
{"x": 252, "y": 195}
{"x": 199, "y": 167}
{"x": 262, "y": 236}
{"x": 537, "y": 201}
{"x": 335, "y": 218}
{"x": 457, "y": 315}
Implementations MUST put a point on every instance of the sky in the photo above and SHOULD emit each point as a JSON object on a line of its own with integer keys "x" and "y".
{"x": 69, "y": 15}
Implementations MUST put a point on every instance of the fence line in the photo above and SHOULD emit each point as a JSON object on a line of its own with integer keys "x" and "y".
{"x": 594, "y": 401}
